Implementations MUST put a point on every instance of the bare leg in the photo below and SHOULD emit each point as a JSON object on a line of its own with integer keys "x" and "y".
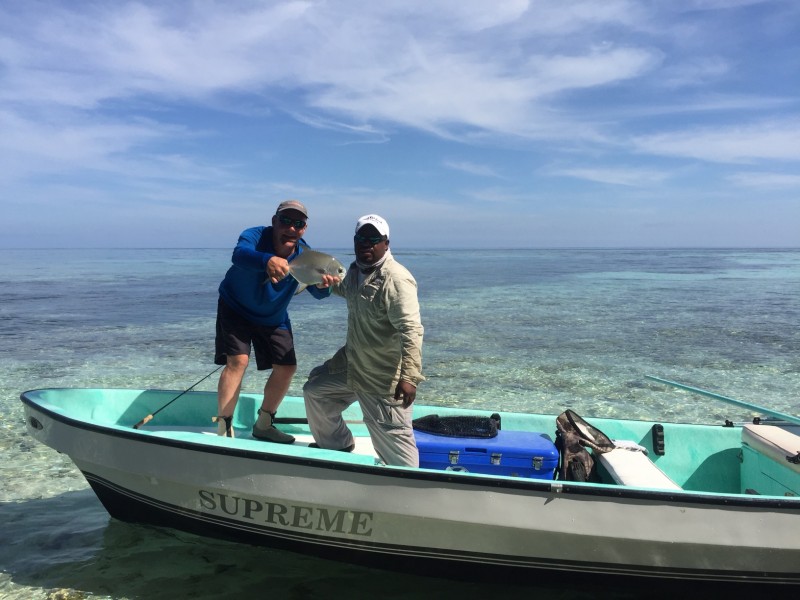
{"x": 274, "y": 391}
{"x": 276, "y": 387}
{"x": 229, "y": 386}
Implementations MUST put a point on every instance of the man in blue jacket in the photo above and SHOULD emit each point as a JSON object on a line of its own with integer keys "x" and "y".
{"x": 252, "y": 311}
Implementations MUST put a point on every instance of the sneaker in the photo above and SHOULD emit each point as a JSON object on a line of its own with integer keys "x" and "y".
{"x": 272, "y": 434}
{"x": 349, "y": 448}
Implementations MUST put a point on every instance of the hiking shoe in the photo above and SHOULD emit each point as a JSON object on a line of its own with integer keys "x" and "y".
{"x": 272, "y": 434}
{"x": 349, "y": 448}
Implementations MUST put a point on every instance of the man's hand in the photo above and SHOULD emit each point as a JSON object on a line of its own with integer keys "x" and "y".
{"x": 328, "y": 281}
{"x": 277, "y": 269}
{"x": 407, "y": 391}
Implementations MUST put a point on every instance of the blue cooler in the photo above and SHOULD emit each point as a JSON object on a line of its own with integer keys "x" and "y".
{"x": 510, "y": 453}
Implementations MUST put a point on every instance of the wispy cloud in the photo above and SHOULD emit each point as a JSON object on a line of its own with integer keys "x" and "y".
{"x": 471, "y": 168}
{"x": 421, "y": 73}
{"x": 213, "y": 99}
{"x": 696, "y": 72}
{"x": 497, "y": 195}
{"x": 365, "y": 133}
{"x": 750, "y": 142}
{"x": 765, "y": 180}
{"x": 614, "y": 175}
{"x": 53, "y": 145}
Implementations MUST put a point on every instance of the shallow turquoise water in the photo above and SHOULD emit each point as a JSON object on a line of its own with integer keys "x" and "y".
{"x": 525, "y": 330}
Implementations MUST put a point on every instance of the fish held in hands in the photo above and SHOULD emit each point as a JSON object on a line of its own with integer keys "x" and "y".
{"x": 311, "y": 265}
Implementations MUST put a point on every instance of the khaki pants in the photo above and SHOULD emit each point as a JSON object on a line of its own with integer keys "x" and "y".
{"x": 389, "y": 424}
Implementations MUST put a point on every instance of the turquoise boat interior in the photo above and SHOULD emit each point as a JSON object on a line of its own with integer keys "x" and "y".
{"x": 749, "y": 459}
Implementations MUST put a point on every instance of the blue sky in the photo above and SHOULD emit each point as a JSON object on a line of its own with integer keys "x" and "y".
{"x": 464, "y": 123}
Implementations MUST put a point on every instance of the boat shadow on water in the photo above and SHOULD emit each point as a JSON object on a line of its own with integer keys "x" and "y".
{"x": 68, "y": 547}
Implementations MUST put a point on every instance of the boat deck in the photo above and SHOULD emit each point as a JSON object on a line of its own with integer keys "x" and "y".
{"x": 753, "y": 460}
{"x": 363, "y": 442}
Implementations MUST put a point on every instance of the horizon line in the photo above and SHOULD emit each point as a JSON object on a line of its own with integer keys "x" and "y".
{"x": 431, "y": 248}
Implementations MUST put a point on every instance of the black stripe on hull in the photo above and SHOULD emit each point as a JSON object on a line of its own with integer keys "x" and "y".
{"x": 127, "y": 505}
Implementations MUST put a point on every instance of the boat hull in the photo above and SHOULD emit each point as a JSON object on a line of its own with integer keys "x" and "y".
{"x": 432, "y": 522}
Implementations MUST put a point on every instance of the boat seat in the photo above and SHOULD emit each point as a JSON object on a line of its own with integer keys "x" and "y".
{"x": 634, "y": 468}
{"x": 776, "y": 442}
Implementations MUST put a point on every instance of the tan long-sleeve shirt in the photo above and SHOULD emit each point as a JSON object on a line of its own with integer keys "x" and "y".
{"x": 384, "y": 330}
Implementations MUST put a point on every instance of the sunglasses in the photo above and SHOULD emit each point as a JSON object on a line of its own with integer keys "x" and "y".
{"x": 371, "y": 240}
{"x": 296, "y": 223}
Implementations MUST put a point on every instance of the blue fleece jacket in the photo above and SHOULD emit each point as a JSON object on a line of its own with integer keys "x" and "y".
{"x": 244, "y": 290}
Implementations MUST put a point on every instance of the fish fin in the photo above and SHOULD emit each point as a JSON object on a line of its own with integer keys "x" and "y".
{"x": 300, "y": 288}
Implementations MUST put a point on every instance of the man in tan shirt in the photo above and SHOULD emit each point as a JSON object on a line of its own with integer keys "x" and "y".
{"x": 380, "y": 364}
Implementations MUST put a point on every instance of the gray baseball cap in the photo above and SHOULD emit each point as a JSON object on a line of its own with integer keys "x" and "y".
{"x": 292, "y": 205}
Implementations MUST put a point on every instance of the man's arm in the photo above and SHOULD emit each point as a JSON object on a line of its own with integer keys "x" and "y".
{"x": 404, "y": 316}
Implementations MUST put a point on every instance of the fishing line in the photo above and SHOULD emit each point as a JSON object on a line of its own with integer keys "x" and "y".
{"x": 154, "y": 413}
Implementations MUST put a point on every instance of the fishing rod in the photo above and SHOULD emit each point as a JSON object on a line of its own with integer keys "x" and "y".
{"x": 149, "y": 417}
{"x": 278, "y": 420}
{"x": 767, "y": 411}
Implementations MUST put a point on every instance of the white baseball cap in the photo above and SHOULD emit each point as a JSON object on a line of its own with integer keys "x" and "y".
{"x": 376, "y": 221}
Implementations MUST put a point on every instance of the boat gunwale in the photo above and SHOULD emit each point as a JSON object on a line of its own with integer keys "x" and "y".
{"x": 468, "y": 479}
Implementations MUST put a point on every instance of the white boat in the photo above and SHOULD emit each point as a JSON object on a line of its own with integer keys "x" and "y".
{"x": 706, "y": 503}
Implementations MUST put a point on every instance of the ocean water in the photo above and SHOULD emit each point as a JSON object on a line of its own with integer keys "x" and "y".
{"x": 519, "y": 330}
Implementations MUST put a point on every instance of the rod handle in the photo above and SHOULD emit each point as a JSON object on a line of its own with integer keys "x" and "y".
{"x": 147, "y": 419}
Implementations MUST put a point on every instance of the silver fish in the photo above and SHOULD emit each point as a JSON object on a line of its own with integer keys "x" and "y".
{"x": 310, "y": 266}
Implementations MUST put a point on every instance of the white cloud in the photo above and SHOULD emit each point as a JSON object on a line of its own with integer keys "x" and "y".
{"x": 366, "y": 132}
{"x": 496, "y": 195}
{"x": 553, "y": 74}
{"x": 694, "y": 72}
{"x": 614, "y": 175}
{"x": 53, "y": 145}
{"x": 721, "y": 4}
{"x": 78, "y": 146}
{"x": 774, "y": 140}
{"x": 765, "y": 180}
{"x": 471, "y": 168}
{"x": 408, "y": 63}
{"x": 183, "y": 101}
